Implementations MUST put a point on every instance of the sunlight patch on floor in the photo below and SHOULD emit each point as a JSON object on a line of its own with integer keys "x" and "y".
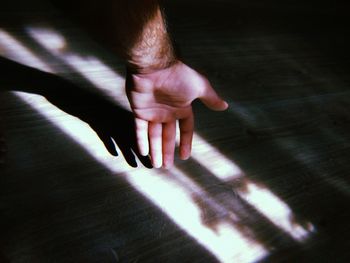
{"x": 276, "y": 211}
{"x": 163, "y": 188}
{"x": 13, "y": 49}
{"x": 172, "y": 191}
{"x": 90, "y": 67}
{"x": 214, "y": 161}
{"x": 261, "y": 198}
{"x": 176, "y": 199}
{"x": 224, "y": 169}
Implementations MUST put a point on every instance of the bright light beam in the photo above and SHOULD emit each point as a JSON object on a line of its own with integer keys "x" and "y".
{"x": 226, "y": 242}
{"x": 14, "y": 50}
{"x": 276, "y": 211}
{"x": 220, "y": 166}
{"x": 90, "y": 67}
{"x": 261, "y": 198}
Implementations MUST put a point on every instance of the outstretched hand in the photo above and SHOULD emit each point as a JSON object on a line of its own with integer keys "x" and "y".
{"x": 160, "y": 98}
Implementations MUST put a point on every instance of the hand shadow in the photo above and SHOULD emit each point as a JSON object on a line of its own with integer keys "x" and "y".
{"x": 108, "y": 120}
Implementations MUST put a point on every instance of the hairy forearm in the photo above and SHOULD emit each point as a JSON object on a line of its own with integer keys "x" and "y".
{"x": 134, "y": 28}
{"x": 142, "y": 37}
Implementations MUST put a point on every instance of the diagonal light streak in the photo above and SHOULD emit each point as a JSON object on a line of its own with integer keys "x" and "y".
{"x": 12, "y": 49}
{"x": 264, "y": 201}
{"x": 226, "y": 242}
{"x": 172, "y": 191}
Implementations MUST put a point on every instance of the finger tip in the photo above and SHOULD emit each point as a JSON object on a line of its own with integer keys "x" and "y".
{"x": 185, "y": 151}
{"x": 185, "y": 156}
{"x": 156, "y": 164}
{"x": 222, "y": 106}
{"x": 143, "y": 151}
{"x": 168, "y": 164}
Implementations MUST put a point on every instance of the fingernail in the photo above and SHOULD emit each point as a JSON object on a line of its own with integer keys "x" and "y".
{"x": 157, "y": 166}
{"x": 143, "y": 152}
{"x": 185, "y": 154}
{"x": 186, "y": 157}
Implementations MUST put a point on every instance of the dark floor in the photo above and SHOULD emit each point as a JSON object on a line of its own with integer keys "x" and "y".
{"x": 268, "y": 181}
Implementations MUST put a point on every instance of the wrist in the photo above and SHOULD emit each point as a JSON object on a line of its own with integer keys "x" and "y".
{"x": 147, "y": 66}
{"x": 160, "y": 56}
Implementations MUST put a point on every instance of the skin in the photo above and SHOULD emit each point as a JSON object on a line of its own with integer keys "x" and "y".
{"x": 160, "y": 87}
{"x": 159, "y": 99}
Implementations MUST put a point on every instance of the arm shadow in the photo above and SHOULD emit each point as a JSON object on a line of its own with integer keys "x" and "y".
{"x": 107, "y": 119}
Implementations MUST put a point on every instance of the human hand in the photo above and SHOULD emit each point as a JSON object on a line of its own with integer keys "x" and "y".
{"x": 160, "y": 98}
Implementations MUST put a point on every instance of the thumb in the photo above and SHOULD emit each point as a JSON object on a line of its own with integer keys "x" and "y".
{"x": 212, "y": 100}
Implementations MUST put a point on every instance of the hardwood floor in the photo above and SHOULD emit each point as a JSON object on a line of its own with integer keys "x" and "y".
{"x": 268, "y": 180}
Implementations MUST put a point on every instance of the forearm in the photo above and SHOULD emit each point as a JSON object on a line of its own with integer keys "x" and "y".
{"x": 134, "y": 28}
{"x": 142, "y": 37}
